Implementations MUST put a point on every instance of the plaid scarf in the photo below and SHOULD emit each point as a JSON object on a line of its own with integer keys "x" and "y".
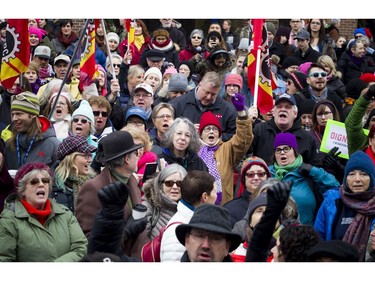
{"x": 207, "y": 154}
{"x": 358, "y": 231}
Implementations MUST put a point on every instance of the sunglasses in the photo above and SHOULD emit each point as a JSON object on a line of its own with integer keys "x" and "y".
{"x": 171, "y": 183}
{"x": 83, "y": 121}
{"x": 318, "y": 74}
{"x": 196, "y": 37}
{"x": 116, "y": 65}
{"x": 251, "y": 175}
{"x": 103, "y": 113}
{"x": 36, "y": 181}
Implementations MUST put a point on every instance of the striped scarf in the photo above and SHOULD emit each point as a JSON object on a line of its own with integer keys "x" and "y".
{"x": 207, "y": 154}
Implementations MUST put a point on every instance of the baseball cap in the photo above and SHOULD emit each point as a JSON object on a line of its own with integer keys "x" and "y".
{"x": 145, "y": 87}
{"x": 302, "y": 34}
{"x": 42, "y": 52}
{"x": 285, "y": 97}
{"x": 136, "y": 111}
{"x": 63, "y": 58}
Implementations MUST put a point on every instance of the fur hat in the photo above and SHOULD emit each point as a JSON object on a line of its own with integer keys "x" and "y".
{"x": 211, "y": 218}
{"x": 235, "y": 79}
{"x": 177, "y": 82}
{"x": 250, "y": 161}
{"x": 197, "y": 31}
{"x": 153, "y": 70}
{"x": 299, "y": 80}
{"x": 286, "y": 139}
{"x": 114, "y": 145}
{"x": 27, "y": 168}
{"x": 361, "y": 161}
{"x": 84, "y": 109}
{"x": 161, "y": 32}
{"x": 113, "y": 36}
{"x": 338, "y": 250}
{"x": 26, "y": 102}
{"x": 271, "y": 27}
{"x": 208, "y": 118}
{"x": 73, "y": 144}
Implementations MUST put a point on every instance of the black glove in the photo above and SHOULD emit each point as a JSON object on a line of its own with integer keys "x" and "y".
{"x": 278, "y": 194}
{"x": 305, "y": 169}
{"x": 113, "y": 198}
{"x": 370, "y": 94}
{"x": 331, "y": 160}
{"x": 134, "y": 227}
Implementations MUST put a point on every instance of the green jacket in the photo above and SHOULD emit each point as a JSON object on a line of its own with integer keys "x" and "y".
{"x": 24, "y": 239}
{"x": 357, "y": 140}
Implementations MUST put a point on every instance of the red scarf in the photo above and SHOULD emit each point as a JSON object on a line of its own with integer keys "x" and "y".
{"x": 40, "y": 215}
{"x": 67, "y": 41}
{"x": 370, "y": 153}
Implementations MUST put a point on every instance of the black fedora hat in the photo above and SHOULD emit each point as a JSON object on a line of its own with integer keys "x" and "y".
{"x": 114, "y": 145}
{"x": 211, "y": 218}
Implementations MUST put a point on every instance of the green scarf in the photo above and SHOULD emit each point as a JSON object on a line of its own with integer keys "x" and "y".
{"x": 281, "y": 171}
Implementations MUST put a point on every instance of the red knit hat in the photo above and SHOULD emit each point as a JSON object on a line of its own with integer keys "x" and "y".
{"x": 208, "y": 118}
{"x": 27, "y": 168}
{"x": 235, "y": 79}
{"x": 367, "y": 77}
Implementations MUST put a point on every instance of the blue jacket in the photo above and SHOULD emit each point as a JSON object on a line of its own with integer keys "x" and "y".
{"x": 302, "y": 193}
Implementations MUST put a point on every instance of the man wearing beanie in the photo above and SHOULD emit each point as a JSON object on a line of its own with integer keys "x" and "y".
{"x": 33, "y": 138}
{"x": 205, "y": 97}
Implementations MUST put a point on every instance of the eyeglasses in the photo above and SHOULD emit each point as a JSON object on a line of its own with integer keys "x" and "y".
{"x": 208, "y": 129}
{"x": 325, "y": 113}
{"x": 140, "y": 95}
{"x": 285, "y": 149}
{"x": 171, "y": 183}
{"x": 251, "y": 175}
{"x": 136, "y": 123}
{"x": 35, "y": 181}
{"x": 82, "y": 120}
{"x": 318, "y": 74}
{"x": 86, "y": 156}
{"x": 315, "y": 22}
{"x": 196, "y": 37}
{"x": 164, "y": 116}
{"x": 212, "y": 237}
{"x": 116, "y": 65}
{"x": 358, "y": 36}
{"x": 103, "y": 113}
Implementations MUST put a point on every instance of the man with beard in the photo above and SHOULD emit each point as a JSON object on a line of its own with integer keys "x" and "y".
{"x": 33, "y": 138}
{"x": 317, "y": 89}
{"x": 284, "y": 119}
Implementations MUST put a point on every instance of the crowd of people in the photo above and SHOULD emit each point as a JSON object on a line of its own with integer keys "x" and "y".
{"x": 169, "y": 124}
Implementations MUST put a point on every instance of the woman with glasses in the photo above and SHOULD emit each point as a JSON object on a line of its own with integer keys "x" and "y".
{"x": 34, "y": 228}
{"x": 161, "y": 195}
{"x": 73, "y": 170}
{"x": 289, "y": 166}
{"x": 195, "y": 49}
{"x": 348, "y": 212}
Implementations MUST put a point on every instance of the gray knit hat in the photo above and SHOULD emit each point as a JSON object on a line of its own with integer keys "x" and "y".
{"x": 27, "y": 102}
{"x": 178, "y": 82}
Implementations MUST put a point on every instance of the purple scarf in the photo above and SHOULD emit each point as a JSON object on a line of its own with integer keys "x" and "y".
{"x": 207, "y": 154}
{"x": 363, "y": 204}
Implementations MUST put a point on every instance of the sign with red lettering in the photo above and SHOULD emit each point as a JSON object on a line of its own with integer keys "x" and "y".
{"x": 335, "y": 135}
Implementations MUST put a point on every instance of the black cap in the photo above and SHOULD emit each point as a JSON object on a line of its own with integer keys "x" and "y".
{"x": 155, "y": 55}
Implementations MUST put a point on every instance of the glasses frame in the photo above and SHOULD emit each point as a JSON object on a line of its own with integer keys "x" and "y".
{"x": 285, "y": 149}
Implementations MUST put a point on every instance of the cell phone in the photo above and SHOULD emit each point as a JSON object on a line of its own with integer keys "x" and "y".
{"x": 149, "y": 171}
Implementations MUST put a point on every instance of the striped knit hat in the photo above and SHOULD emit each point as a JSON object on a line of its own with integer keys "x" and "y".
{"x": 27, "y": 102}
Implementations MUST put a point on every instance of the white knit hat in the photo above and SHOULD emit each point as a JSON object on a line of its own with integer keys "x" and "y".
{"x": 84, "y": 109}
{"x": 153, "y": 70}
{"x": 113, "y": 36}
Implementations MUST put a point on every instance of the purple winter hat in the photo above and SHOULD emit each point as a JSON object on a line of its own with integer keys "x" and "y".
{"x": 286, "y": 139}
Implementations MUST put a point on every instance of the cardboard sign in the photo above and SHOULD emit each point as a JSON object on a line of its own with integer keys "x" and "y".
{"x": 335, "y": 135}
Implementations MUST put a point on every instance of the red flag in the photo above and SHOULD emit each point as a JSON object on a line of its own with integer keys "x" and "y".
{"x": 130, "y": 29}
{"x": 88, "y": 63}
{"x": 16, "y": 54}
{"x": 259, "y": 38}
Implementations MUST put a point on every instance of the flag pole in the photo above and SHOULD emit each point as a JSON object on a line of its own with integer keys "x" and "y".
{"x": 69, "y": 67}
{"x": 257, "y": 76}
{"x": 108, "y": 50}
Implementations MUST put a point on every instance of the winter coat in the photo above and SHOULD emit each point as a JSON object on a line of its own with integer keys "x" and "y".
{"x": 187, "y": 106}
{"x": 301, "y": 190}
{"x": 190, "y": 51}
{"x": 42, "y": 150}
{"x": 191, "y": 162}
{"x": 238, "y": 207}
{"x": 264, "y": 137}
{"x": 24, "y": 239}
{"x": 171, "y": 249}
{"x": 351, "y": 70}
{"x": 309, "y": 56}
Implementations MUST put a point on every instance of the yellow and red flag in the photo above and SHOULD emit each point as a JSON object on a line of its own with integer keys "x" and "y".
{"x": 259, "y": 72}
{"x": 16, "y": 54}
{"x": 88, "y": 63}
{"x": 129, "y": 25}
